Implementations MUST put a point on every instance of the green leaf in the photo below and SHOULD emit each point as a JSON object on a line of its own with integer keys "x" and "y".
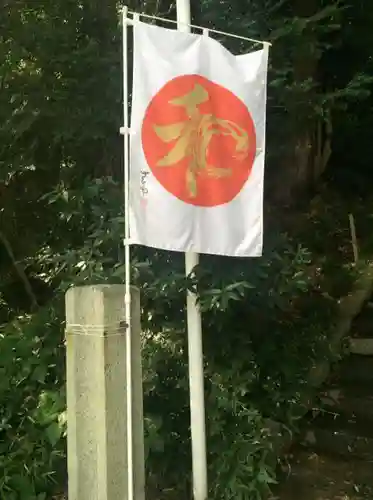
{"x": 40, "y": 373}
{"x": 53, "y": 432}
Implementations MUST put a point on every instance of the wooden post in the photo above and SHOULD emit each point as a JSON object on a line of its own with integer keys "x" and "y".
{"x": 96, "y": 394}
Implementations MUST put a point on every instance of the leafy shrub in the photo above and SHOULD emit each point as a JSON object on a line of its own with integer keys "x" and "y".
{"x": 32, "y": 412}
{"x": 265, "y": 322}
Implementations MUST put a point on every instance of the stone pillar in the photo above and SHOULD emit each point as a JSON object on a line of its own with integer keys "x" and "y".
{"x": 96, "y": 394}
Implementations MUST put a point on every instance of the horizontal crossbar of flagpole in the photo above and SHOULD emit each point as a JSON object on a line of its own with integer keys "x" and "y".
{"x": 172, "y": 21}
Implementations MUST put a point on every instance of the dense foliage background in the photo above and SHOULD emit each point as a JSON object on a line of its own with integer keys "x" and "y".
{"x": 266, "y": 321}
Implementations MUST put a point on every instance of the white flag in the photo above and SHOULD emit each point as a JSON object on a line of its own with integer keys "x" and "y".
{"x": 197, "y": 144}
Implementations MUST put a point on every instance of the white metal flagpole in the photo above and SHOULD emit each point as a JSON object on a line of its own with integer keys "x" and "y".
{"x": 195, "y": 352}
{"x": 127, "y": 292}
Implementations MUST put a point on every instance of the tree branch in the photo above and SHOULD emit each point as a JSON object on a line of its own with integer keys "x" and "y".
{"x": 19, "y": 270}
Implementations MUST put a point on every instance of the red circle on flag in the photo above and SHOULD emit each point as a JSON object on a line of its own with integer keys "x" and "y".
{"x": 199, "y": 141}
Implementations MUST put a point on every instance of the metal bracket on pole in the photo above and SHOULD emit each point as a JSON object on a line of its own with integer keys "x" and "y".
{"x": 125, "y": 130}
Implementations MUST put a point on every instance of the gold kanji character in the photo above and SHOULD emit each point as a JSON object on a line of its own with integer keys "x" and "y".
{"x": 193, "y": 137}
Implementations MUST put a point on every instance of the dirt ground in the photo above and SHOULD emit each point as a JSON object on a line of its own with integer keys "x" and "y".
{"x": 309, "y": 476}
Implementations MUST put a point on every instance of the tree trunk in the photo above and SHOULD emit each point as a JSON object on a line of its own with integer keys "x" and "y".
{"x": 298, "y": 175}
